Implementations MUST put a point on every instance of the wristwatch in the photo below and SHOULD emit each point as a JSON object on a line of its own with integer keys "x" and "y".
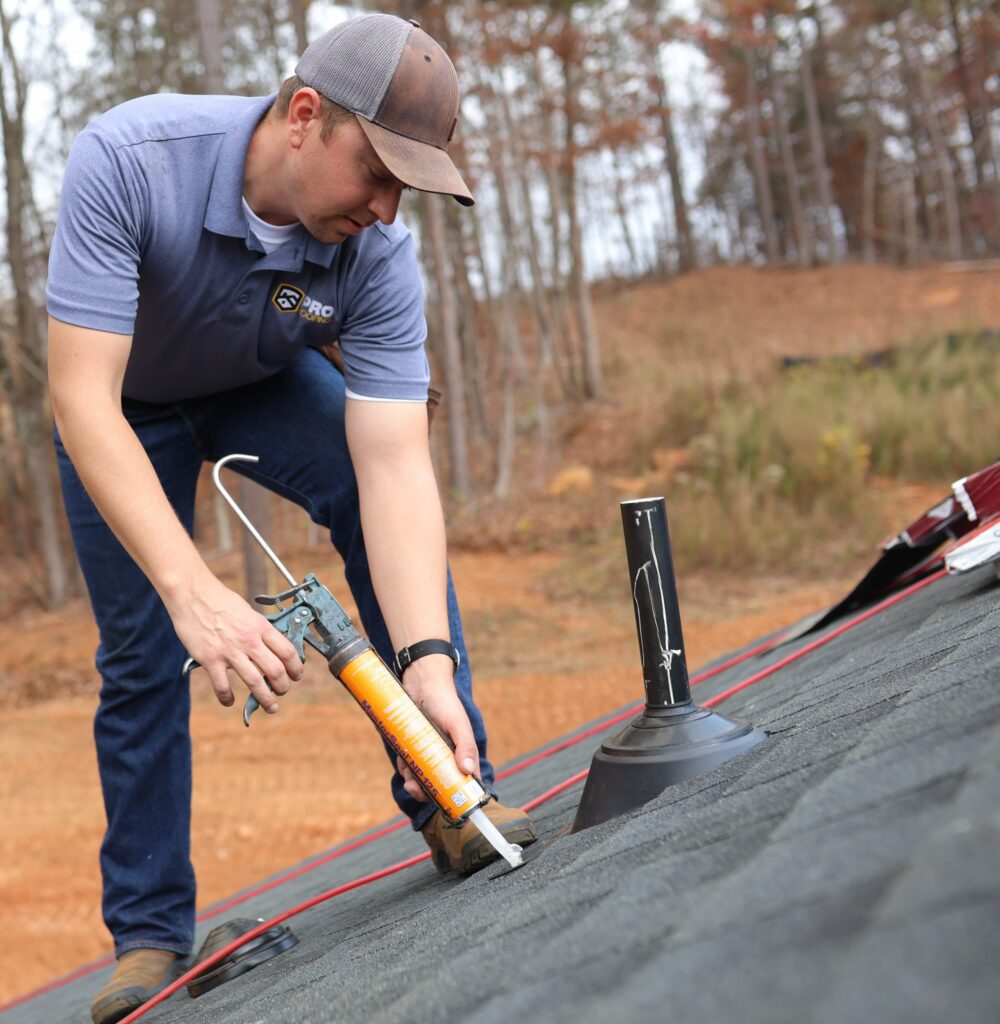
{"x": 408, "y": 655}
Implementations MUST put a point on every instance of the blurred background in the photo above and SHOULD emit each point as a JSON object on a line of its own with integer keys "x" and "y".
{"x": 608, "y": 143}
{"x": 743, "y": 255}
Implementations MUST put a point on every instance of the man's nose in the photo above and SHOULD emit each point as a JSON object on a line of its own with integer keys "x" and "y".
{"x": 385, "y": 202}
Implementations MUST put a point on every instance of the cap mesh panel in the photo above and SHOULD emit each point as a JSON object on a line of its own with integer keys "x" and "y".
{"x": 354, "y": 62}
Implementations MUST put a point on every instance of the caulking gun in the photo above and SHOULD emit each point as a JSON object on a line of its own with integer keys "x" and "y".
{"x": 307, "y": 613}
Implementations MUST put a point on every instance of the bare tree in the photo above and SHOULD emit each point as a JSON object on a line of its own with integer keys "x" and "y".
{"x": 25, "y": 379}
{"x": 800, "y": 227}
{"x": 817, "y": 147}
{"x": 756, "y": 149}
{"x": 569, "y": 53}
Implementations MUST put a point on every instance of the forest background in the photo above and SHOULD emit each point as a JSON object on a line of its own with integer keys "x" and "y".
{"x": 741, "y": 254}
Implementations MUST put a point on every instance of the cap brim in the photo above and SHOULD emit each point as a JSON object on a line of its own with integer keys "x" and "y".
{"x": 417, "y": 164}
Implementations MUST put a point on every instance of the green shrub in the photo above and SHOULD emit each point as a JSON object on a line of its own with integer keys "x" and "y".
{"x": 782, "y": 465}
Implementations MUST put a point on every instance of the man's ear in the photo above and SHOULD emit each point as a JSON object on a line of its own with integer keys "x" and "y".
{"x": 305, "y": 112}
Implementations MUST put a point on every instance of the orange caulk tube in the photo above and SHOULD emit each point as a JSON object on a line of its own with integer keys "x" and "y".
{"x": 416, "y": 741}
{"x": 407, "y": 730}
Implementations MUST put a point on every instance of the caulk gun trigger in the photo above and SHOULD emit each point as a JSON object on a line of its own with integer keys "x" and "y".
{"x": 249, "y": 708}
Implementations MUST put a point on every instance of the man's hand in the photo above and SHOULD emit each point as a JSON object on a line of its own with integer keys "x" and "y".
{"x": 221, "y": 632}
{"x": 433, "y": 690}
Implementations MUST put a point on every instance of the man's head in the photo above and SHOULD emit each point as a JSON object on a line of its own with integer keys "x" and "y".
{"x": 403, "y": 91}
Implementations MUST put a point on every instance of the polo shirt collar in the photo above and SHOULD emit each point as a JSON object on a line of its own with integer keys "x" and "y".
{"x": 224, "y": 215}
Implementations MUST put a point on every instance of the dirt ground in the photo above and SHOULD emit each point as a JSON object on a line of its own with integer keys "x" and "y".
{"x": 549, "y": 654}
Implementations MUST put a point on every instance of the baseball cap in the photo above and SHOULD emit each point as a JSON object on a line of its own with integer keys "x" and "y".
{"x": 403, "y": 89}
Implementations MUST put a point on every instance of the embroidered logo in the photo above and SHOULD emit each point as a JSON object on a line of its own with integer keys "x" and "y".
{"x": 289, "y": 299}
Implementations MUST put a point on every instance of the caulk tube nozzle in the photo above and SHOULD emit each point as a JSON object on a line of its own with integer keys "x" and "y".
{"x": 510, "y": 852}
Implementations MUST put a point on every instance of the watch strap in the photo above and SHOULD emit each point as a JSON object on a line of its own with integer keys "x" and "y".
{"x": 408, "y": 655}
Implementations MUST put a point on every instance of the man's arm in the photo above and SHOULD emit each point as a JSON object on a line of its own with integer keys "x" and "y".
{"x": 218, "y": 628}
{"x": 405, "y": 539}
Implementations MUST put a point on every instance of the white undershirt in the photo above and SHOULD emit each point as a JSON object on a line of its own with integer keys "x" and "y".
{"x": 271, "y": 236}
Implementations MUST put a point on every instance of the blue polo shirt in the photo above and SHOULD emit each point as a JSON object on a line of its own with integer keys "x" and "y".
{"x": 152, "y": 241}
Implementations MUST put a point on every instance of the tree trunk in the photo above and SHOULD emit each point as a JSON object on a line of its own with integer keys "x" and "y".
{"x": 758, "y": 165}
{"x": 564, "y": 333}
{"x": 506, "y": 436}
{"x": 633, "y": 267}
{"x": 543, "y": 312}
{"x": 939, "y": 148}
{"x": 686, "y": 256}
{"x": 589, "y": 348}
{"x": 817, "y": 148}
{"x": 223, "y": 527}
{"x": 210, "y": 45}
{"x": 299, "y": 11}
{"x": 869, "y": 184}
{"x": 979, "y": 132}
{"x": 800, "y": 228}
{"x": 910, "y": 220}
{"x": 450, "y": 347}
{"x": 545, "y": 357}
{"x": 31, "y": 417}
{"x": 254, "y": 500}
{"x": 468, "y": 324}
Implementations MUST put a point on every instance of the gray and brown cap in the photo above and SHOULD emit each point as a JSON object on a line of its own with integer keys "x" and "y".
{"x": 403, "y": 89}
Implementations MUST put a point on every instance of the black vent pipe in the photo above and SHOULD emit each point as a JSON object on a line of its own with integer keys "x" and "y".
{"x": 674, "y": 739}
{"x": 654, "y": 600}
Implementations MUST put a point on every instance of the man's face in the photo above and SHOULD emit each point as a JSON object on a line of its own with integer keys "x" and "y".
{"x": 341, "y": 186}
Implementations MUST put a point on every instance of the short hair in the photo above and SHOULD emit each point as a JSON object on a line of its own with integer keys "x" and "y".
{"x": 332, "y": 113}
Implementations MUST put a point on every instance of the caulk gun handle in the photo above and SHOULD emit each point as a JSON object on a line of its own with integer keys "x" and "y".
{"x": 249, "y": 708}
{"x": 251, "y": 705}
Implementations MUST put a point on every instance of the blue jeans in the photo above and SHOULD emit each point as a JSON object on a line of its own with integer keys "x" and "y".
{"x": 295, "y": 422}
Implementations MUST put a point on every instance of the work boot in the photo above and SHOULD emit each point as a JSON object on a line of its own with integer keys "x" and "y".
{"x": 464, "y": 849}
{"x": 140, "y": 974}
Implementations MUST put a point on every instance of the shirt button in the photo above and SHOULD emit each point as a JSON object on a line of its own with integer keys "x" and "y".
{"x": 244, "y": 299}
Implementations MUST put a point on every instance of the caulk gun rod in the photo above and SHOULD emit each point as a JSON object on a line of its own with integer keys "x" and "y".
{"x": 243, "y": 517}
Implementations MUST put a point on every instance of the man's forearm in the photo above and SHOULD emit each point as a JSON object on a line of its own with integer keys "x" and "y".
{"x": 122, "y": 483}
{"x": 216, "y": 626}
{"x": 405, "y": 540}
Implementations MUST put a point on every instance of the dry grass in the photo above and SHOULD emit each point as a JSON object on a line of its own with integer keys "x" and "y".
{"x": 762, "y": 469}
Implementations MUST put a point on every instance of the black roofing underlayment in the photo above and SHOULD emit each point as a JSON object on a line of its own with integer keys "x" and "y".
{"x": 847, "y": 869}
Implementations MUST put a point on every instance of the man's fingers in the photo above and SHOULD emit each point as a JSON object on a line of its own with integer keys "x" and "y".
{"x": 466, "y": 751}
{"x": 285, "y": 651}
{"x": 220, "y": 684}
{"x": 410, "y": 783}
{"x": 467, "y": 759}
{"x": 257, "y": 684}
{"x": 272, "y": 668}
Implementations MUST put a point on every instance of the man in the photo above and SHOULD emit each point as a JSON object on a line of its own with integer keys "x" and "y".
{"x": 206, "y": 248}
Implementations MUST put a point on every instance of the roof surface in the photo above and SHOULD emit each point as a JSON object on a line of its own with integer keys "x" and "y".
{"x": 846, "y": 868}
